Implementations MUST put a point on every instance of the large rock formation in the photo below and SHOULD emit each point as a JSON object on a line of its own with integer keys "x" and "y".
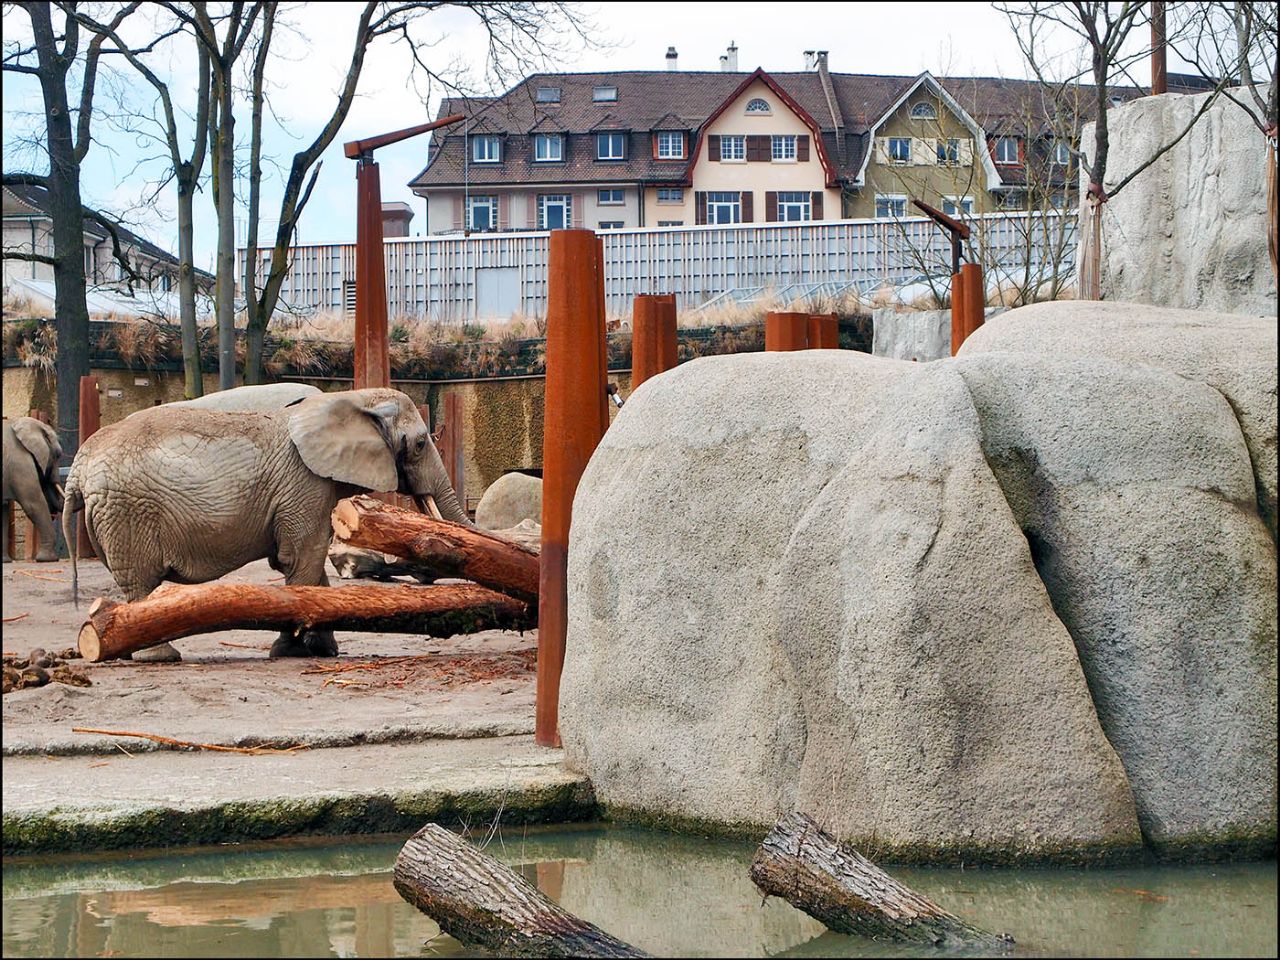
{"x": 510, "y": 500}
{"x": 998, "y": 607}
{"x": 1190, "y": 230}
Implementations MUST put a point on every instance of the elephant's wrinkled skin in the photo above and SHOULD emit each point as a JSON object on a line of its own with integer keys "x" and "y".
{"x": 31, "y": 455}
{"x": 188, "y": 494}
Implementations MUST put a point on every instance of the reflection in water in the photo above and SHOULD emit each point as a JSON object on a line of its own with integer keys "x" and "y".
{"x": 671, "y": 896}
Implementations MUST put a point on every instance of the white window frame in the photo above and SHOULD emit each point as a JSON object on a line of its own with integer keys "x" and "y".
{"x": 609, "y": 140}
{"x": 957, "y": 202}
{"x": 888, "y": 149}
{"x": 734, "y": 206}
{"x": 547, "y": 95}
{"x": 489, "y": 202}
{"x": 487, "y": 140}
{"x": 546, "y": 200}
{"x": 945, "y": 157}
{"x": 739, "y": 150}
{"x": 612, "y": 225}
{"x": 998, "y": 150}
{"x": 677, "y": 199}
{"x": 918, "y": 111}
{"x": 541, "y": 139}
{"x": 1013, "y": 201}
{"x": 671, "y": 223}
{"x": 667, "y": 140}
{"x": 783, "y": 148}
{"x": 602, "y": 202}
{"x": 892, "y": 198}
{"x": 803, "y": 206}
{"x": 1061, "y": 153}
{"x": 755, "y": 105}
{"x": 604, "y": 94}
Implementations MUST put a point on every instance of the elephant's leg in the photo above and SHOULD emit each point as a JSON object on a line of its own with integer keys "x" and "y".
{"x": 37, "y": 512}
{"x": 303, "y": 566}
{"x": 136, "y": 586}
{"x": 4, "y": 530}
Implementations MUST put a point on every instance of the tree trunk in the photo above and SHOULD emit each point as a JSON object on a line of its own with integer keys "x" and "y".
{"x": 224, "y": 197}
{"x": 174, "y": 611}
{"x": 255, "y": 336}
{"x": 193, "y": 376}
{"x": 440, "y": 545}
{"x": 484, "y": 903}
{"x": 832, "y": 883}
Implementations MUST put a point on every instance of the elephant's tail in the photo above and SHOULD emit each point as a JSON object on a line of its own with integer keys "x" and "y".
{"x": 72, "y": 504}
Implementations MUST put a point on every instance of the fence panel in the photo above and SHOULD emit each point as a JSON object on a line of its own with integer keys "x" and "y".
{"x": 436, "y": 277}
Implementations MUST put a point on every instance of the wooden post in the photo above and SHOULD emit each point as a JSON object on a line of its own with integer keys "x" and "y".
{"x": 824, "y": 331}
{"x": 975, "y": 298}
{"x": 571, "y": 430}
{"x": 957, "y": 311}
{"x": 786, "y": 331}
{"x": 372, "y": 352}
{"x": 90, "y": 421}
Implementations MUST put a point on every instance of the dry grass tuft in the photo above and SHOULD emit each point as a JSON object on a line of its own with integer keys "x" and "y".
{"x": 40, "y": 349}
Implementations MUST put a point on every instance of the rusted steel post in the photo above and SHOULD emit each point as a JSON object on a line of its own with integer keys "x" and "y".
{"x": 453, "y": 453}
{"x": 975, "y": 298}
{"x": 1159, "y": 73}
{"x": 786, "y": 331}
{"x": 668, "y": 338}
{"x": 957, "y": 311}
{"x": 571, "y": 429}
{"x": 604, "y": 336}
{"x": 90, "y": 421}
{"x": 372, "y": 353}
{"x": 645, "y": 343}
{"x": 824, "y": 331}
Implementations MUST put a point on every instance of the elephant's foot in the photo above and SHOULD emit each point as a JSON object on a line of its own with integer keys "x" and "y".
{"x": 311, "y": 643}
{"x": 8, "y": 559}
{"x": 164, "y": 653}
{"x": 46, "y": 556}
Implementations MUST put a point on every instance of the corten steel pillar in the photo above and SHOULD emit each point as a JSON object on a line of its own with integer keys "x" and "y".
{"x": 372, "y": 352}
{"x": 786, "y": 331}
{"x": 668, "y": 340}
{"x": 452, "y": 452}
{"x": 975, "y": 296}
{"x": 824, "y": 331}
{"x": 604, "y": 336}
{"x": 645, "y": 346}
{"x": 571, "y": 429}
{"x": 90, "y": 421}
{"x": 1159, "y": 75}
{"x": 957, "y": 311}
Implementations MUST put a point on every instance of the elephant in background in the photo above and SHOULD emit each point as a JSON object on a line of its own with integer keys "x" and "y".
{"x": 31, "y": 456}
{"x": 190, "y": 494}
{"x": 258, "y": 398}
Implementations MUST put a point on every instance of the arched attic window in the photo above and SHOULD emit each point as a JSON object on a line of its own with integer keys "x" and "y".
{"x": 924, "y": 111}
{"x": 759, "y": 106}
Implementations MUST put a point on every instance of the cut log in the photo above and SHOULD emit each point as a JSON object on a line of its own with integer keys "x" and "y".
{"x": 450, "y": 548}
{"x": 173, "y": 611}
{"x": 836, "y": 885}
{"x": 484, "y": 903}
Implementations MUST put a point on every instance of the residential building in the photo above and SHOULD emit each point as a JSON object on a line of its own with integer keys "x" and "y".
{"x": 28, "y": 228}
{"x": 675, "y": 148}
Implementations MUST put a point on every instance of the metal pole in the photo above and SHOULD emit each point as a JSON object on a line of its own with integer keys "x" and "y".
{"x": 372, "y": 353}
{"x": 1159, "y": 74}
{"x": 786, "y": 331}
{"x": 571, "y": 429}
{"x": 824, "y": 331}
{"x": 90, "y": 422}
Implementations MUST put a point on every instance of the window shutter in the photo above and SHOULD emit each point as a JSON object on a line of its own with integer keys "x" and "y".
{"x": 802, "y": 148}
{"x": 758, "y": 148}
{"x": 577, "y": 206}
{"x": 713, "y": 147}
{"x": 457, "y": 212}
{"x": 504, "y": 212}
{"x": 815, "y": 203}
{"x": 922, "y": 152}
{"x": 700, "y": 207}
{"x": 771, "y": 206}
{"x": 966, "y": 153}
{"x": 748, "y": 207}
{"x": 654, "y": 138}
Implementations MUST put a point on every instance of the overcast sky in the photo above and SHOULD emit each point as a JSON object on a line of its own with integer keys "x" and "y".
{"x": 883, "y": 38}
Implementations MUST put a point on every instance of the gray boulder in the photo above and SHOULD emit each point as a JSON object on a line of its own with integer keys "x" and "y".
{"x": 509, "y": 500}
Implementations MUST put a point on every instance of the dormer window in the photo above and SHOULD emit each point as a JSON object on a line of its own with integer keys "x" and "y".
{"x": 924, "y": 111}
{"x": 485, "y": 149}
{"x": 1006, "y": 150}
{"x": 1061, "y": 153}
{"x": 548, "y": 95}
{"x": 548, "y": 146}
{"x": 611, "y": 146}
{"x": 670, "y": 145}
{"x": 758, "y": 106}
{"x": 604, "y": 94}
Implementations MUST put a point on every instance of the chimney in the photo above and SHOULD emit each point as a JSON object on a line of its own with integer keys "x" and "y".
{"x": 820, "y": 61}
{"x": 810, "y": 60}
{"x": 395, "y": 219}
{"x": 733, "y": 57}
{"x": 724, "y": 63}
{"x": 671, "y": 58}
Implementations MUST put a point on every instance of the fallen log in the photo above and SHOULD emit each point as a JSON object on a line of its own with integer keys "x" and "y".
{"x": 484, "y": 903}
{"x": 450, "y": 548}
{"x": 174, "y": 611}
{"x": 836, "y": 885}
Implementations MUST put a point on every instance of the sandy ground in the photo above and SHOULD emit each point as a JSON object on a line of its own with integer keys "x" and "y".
{"x": 226, "y": 691}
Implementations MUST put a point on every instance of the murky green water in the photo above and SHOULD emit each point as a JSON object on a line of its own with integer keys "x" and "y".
{"x": 671, "y": 896}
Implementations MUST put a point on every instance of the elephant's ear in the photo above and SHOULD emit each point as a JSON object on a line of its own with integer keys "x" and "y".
{"x": 31, "y": 434}
{"x": 340, "y": 437}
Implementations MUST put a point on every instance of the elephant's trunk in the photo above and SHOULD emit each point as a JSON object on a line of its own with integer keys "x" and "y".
{"x": 450, "y": 509}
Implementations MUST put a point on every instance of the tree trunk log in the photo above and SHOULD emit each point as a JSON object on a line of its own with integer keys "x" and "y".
{"x": 484, "y": 903}
{"x": 448, "y": 548}
{"x": 174, "y": 611}
{"x": 832, "y": 883}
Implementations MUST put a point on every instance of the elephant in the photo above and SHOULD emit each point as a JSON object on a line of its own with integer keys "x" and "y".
{"x": 258, "y": 398}
{"x": 190, "y": 494}
{"x": 31, "y": 456}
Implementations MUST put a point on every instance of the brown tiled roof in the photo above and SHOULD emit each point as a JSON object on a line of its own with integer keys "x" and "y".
{"x": 651, "y": 100}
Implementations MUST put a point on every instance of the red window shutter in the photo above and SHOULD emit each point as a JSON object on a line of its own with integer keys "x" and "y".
{"x": 578, "y": 203}
{"x": 713, "y": 147}
{"x": 759, "y": 148}
{"x": 654, "y": 137}
{"x": 748, "y": 207}
{"x": 700, "y": 207}
{"x": 457, "y": 212}
{"x": 504, "y": 212}
{"x": 815, "y": 204}
{"x": 1022, "y": 150}
{"x": 802, "y": 148}
{"x": 771, "y": 206}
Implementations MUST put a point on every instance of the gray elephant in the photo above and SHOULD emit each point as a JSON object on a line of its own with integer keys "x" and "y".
{"x": 190, "y": 494}
{"x": 257, "y": 398}
{"x": 31, "y": 455}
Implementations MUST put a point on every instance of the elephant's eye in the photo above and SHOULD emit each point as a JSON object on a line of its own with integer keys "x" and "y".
{"x": 422, "y": 444}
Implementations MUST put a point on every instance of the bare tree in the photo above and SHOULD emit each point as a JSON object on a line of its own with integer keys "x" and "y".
{"x": 1105, "y": 55}
{"x": 55, "y": 56}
